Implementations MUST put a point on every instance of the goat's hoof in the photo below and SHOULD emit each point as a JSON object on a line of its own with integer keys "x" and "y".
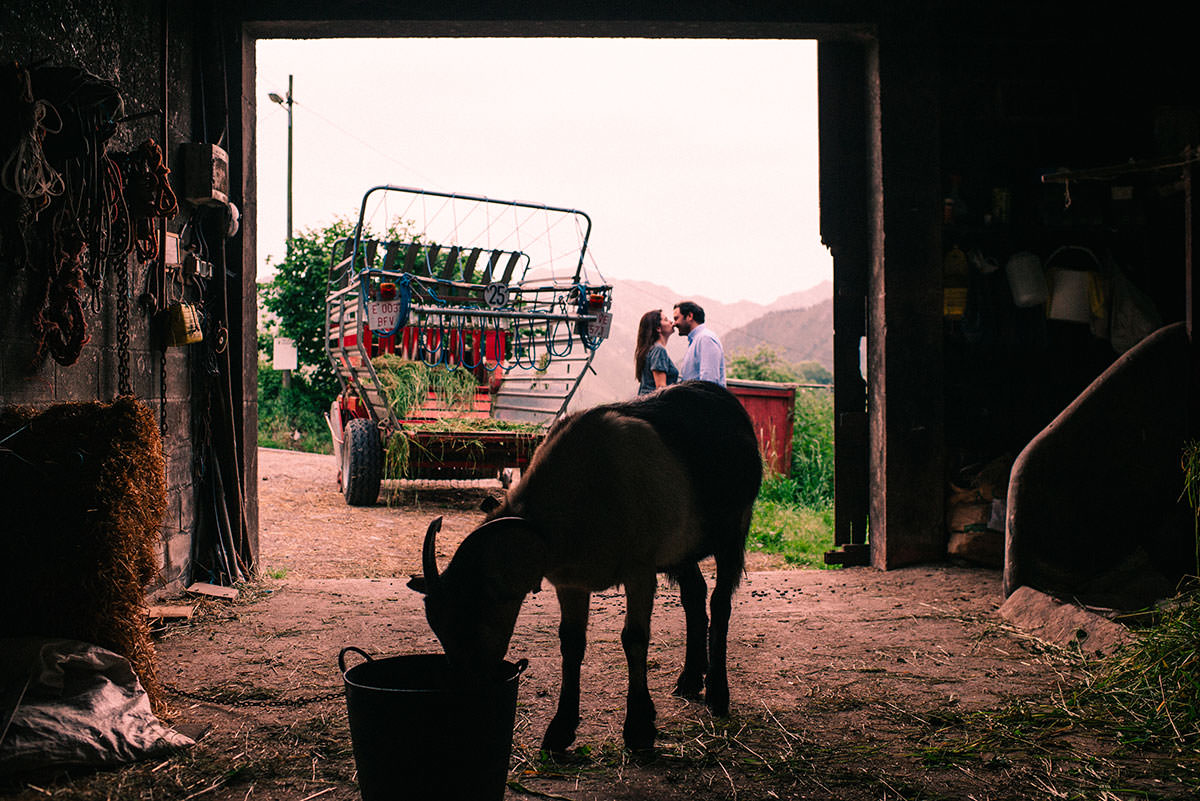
{"x": 559, "y": 736}
{"x": 689, "y": 687}
{"x": 640, "y": 739}
{"x": 717, "y": 700}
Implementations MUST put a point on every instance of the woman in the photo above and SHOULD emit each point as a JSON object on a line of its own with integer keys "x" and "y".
{"x": 654, "y": 367}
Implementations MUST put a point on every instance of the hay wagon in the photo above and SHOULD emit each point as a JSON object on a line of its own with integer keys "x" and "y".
{"x": 459, "y": 333}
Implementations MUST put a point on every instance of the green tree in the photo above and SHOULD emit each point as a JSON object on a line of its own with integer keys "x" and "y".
{"x": 762, "y": 365}
{"x": 813, "y": 373}
{"x": 295, "y": 296}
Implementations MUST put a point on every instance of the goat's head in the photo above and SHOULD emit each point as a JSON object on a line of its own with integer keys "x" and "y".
{"x": 472, "y": 607}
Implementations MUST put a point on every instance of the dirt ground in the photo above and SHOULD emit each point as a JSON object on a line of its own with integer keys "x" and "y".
{"x": 846, "y": 684}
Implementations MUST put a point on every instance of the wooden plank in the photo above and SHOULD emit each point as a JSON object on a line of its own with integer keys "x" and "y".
{"x": 491, "y": 267}
{"x": 393, "y": 255}
{"x": 469, "y": 267}
{"x": 513, "y": 258}
{"x": 431, "y": 259}
{"x": 171, "y": 611}
{"x": 410, "y": 258}
{"x": 213, "y": 591}
{"x": 451, "y": 261}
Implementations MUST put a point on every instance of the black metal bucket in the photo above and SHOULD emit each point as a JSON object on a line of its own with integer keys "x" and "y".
{"x": 418, "y": 736}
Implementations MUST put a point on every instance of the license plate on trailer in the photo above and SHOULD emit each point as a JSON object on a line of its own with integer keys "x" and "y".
{"x": 598, "y": 328}
{"x": 382, "y": 315}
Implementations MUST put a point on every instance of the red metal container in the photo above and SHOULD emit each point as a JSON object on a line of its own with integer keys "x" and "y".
{"x": 772, "y": 409}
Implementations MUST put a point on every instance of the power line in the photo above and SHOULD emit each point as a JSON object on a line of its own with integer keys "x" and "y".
{"x": 431, "y": 183}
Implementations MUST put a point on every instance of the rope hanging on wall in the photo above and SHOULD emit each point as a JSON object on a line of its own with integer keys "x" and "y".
{"x": 25, "y": 172}
{"x": 71, "y": 212}
{"x": 62, "y": 207}
{"x": 149, "y": 196}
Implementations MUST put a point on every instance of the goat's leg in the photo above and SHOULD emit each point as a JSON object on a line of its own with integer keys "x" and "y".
{"x": 716, "y": 686}
{"x": 572, "y": 640}
{"x": 693, "y": 592}
{"x": 639, "y": 729}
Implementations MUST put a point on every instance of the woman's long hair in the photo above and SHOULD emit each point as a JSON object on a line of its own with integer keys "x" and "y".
{"x": 648, "y": 333}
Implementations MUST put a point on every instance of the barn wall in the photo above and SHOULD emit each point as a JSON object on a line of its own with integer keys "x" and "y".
{"x": 1103, "y": 99}
{"x": 992, "y": 97}
{"x": 122, "y": 43}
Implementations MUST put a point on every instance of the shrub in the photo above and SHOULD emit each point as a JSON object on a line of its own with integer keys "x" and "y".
{"x": 293, "y": 418}
{"x": 812, "y": 448}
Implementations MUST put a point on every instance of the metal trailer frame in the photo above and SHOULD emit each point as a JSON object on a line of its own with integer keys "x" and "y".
{"x": 448, "y": 308}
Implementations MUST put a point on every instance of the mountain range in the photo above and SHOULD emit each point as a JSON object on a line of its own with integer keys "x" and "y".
{"x": 798, "y": 326}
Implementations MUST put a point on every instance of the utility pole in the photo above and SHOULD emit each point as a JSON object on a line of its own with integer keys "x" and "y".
{"x": 287, "y": 103}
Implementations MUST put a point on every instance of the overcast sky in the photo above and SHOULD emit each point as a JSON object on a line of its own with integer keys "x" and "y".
{"x": 696, "y": 159}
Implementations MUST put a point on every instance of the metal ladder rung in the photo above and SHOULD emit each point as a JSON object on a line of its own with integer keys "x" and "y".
{"x": 547, "y": 395}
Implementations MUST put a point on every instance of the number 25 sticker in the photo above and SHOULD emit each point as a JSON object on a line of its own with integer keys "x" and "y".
{"x": 495, "y": 295}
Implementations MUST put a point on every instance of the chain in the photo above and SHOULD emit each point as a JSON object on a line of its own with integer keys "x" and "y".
{"x": 124, "y": 385}
{"x": 162, "y": 394}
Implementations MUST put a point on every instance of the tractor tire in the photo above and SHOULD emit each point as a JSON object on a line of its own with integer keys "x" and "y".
{"x": 362, "y": 462}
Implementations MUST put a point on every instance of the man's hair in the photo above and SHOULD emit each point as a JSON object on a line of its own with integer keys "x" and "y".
{"x": 687, "y": 307}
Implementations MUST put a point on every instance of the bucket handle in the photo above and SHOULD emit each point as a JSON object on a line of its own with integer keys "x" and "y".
{"x": 359, "y": 651}
{"x": 521, "y": 664}
{"x": 1065, "y": 248}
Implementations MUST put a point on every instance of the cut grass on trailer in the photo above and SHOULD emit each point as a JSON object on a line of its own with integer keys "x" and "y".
{"x": 407, "y": 384}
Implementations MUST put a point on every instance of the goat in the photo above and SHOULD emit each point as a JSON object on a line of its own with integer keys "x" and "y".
{"x": 614, "y": 495}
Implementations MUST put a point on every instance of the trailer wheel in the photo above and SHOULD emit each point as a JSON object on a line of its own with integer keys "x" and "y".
{"x": 362, "y": 462}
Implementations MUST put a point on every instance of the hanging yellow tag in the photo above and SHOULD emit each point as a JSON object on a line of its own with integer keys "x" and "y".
{"x": 183, "y": 324}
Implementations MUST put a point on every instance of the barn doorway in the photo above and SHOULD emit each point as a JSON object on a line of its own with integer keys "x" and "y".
{"x": 697, "y": 157}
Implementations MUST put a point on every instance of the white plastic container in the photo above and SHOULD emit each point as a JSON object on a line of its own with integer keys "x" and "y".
{"x": 1026, "y": 279}
{"x": 1069, "y": 299}
{"x": 1070, "y": 285}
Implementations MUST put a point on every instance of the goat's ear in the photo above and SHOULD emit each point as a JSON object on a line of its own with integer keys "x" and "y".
{"x": 417, "y": 582}
{"x": 489, "y": 504}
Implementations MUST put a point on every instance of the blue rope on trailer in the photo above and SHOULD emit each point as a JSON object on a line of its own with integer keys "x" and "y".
{"x": 434, "y": 297}
{"x": 462, "y": 353}
{"x": 439, "y": 352}
{"x": 404, "y": 297}
{"x": 524, "y": 364}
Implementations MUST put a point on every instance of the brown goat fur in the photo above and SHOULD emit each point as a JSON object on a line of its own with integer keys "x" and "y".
{"x": 614, "y": 495}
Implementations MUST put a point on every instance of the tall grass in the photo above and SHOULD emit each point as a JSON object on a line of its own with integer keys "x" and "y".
{"x": 784, "y": 525}
{"x": 793, "y": 515}
{"x": 1191, "y": 491}
{"x": 812, "y": 447}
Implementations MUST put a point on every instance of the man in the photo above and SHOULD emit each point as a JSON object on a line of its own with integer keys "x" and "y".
{"x": 705, "y": 358}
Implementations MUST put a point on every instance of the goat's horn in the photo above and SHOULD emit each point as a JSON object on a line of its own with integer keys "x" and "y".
{"x": 429, "y": 553}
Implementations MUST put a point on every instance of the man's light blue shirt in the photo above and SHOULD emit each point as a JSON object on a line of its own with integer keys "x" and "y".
{"x": 705, "y": 358}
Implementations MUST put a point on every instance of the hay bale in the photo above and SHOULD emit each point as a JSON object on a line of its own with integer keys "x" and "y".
{"x": 83, "y": 489}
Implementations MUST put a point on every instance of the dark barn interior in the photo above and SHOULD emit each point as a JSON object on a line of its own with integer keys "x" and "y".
{"x": 1006, "y": 191}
